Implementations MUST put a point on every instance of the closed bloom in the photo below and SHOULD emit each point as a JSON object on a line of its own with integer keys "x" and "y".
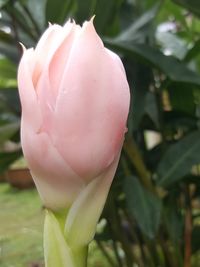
{"x": 75, "y": 101}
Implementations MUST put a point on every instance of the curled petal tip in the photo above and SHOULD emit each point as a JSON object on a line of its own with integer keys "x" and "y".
{"x": 92, "y": 18}
{"x": 23, "y": 47}
{"x": 49, "y": 24}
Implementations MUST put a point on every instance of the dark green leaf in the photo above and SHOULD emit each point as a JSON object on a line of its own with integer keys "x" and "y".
{"x": 110, "y": 11}
{"x": 193, "y": 52}
{"x": 196, "y": 238}
{"x": 174, "y": 222}
{"x": 3, "y": 2}
{"x": 58, "y": 11}
{"x": 8, "y": 130}
{"x": 134, "y": 73}
{"x": 151, "y": 108}
{"x": 179, "y": 159}
{"x": 8, "y": 70}
{"x": 138, "y": 27}
{"x": 182, "y": 98}
{"x": 85, "y": 10}
{"x": 143, "y": 205}
{"x": 174, "y": 69}
{"x": 7, "y": 158}
{"x": 9, "y": 100}
{"x": 191, "y": 5}
{"x": 8, "y": 46}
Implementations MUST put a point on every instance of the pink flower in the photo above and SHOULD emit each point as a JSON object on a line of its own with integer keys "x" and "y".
{"x": 75, "y": 101}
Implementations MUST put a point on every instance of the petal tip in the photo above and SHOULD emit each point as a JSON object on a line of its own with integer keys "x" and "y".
{"x": 23, "y": 47}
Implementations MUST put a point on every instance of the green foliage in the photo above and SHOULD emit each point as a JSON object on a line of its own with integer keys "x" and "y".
{"x": 179, "y": 159}
{"x": 144, "y": 206}
{"x": 156, "y": 189}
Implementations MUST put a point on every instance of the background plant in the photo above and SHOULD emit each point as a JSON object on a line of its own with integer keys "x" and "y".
{"x": 152, "y": 214}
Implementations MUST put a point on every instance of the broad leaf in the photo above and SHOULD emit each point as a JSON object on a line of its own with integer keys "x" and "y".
{"x": 135, "y": 31}
{"x": 3, "y": 2}
{"x": 191, "y": 5}
{"x": 174, "y": 69}
{"x": 179, "y": 159}
{"x": 143, "y": 205}
{"x": 8, "y": 70}
{"x": 58, "y": 11}
{"x": 109, "y": 25}
{"x": 85, "y": 10}
{"x": 7, "y": 158}
{"x": 182, "y": 98}
{"x": 8, "y": 130}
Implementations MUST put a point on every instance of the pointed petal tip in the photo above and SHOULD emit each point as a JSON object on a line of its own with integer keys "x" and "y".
{"x": 23, "y": 47}
{"x": 89, "y": 23}
{"x": 92, "y": 18}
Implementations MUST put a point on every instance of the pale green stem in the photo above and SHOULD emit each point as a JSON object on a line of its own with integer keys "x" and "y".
{"x": 57, "y": 252}
{"x": 80, "y": 256}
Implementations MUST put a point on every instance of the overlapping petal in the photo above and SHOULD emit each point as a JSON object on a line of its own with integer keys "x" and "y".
{"x": 93, "y": 100}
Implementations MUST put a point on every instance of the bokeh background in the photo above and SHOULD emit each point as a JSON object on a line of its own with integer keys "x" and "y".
{"x": 152, "y": 215}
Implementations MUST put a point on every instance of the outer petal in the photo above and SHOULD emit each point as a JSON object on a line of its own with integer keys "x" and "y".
{"x": 92, "y": 107}
{"x": 44, "y": 50}
{"x": 60, "y": 58}
{"x": 28, "y": 97}
{"x": 88, "y": 207}
{"x": 57, "y": 184}
{"x": 52, "y": 71}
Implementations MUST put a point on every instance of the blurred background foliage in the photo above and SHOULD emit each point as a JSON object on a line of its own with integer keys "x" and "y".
{"x": 152, "y": 216}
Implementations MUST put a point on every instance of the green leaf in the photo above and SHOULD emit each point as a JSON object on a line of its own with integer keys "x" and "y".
{"x": 179, "y": 159}
{"x": 7, "y": 47}
{"x": 3, "y": 2}
{"x": 196, "y": 238}
{"x": 151, "y": 108}
{"x": 191, "y": 5}
{"x": 38, "y": 15}
{"x": 143, "y": 206}
{"x": 138, "y": 27}
{"x": 172, "y": 44}
{"x": 193, "y": 53}
{"x": 58, "y": 11}
{"x": 8, "y": 73}
{"x": 9, "y": 100}
{"x": 8, "y": 130}
{"x": 85, "y": 10}
{"x": 182, "y": 98}
{"x": 174, "y": 222}
{"x": 174, "y": 69}
{"x": 110, "y": 10}
{"x": 137, "y": 107}
{"x": 7, "y": 158}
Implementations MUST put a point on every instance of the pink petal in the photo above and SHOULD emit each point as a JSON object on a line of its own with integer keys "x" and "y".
{"x": 45, "y": 49}
{"x": 60, "y": 57}
{"x": 56, "y": 182}
{"x": 92, "y": 107}
{"x": 30, "y": 110}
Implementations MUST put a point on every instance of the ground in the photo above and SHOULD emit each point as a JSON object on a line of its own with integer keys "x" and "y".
{"x": 21, "y": 227}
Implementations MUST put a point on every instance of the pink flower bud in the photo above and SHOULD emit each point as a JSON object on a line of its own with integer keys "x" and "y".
{"x": 75, "y": 101}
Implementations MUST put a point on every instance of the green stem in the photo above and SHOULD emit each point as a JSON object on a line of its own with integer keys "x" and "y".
{"x": 57, "y": 252}
{"x": 80, "y": 256}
